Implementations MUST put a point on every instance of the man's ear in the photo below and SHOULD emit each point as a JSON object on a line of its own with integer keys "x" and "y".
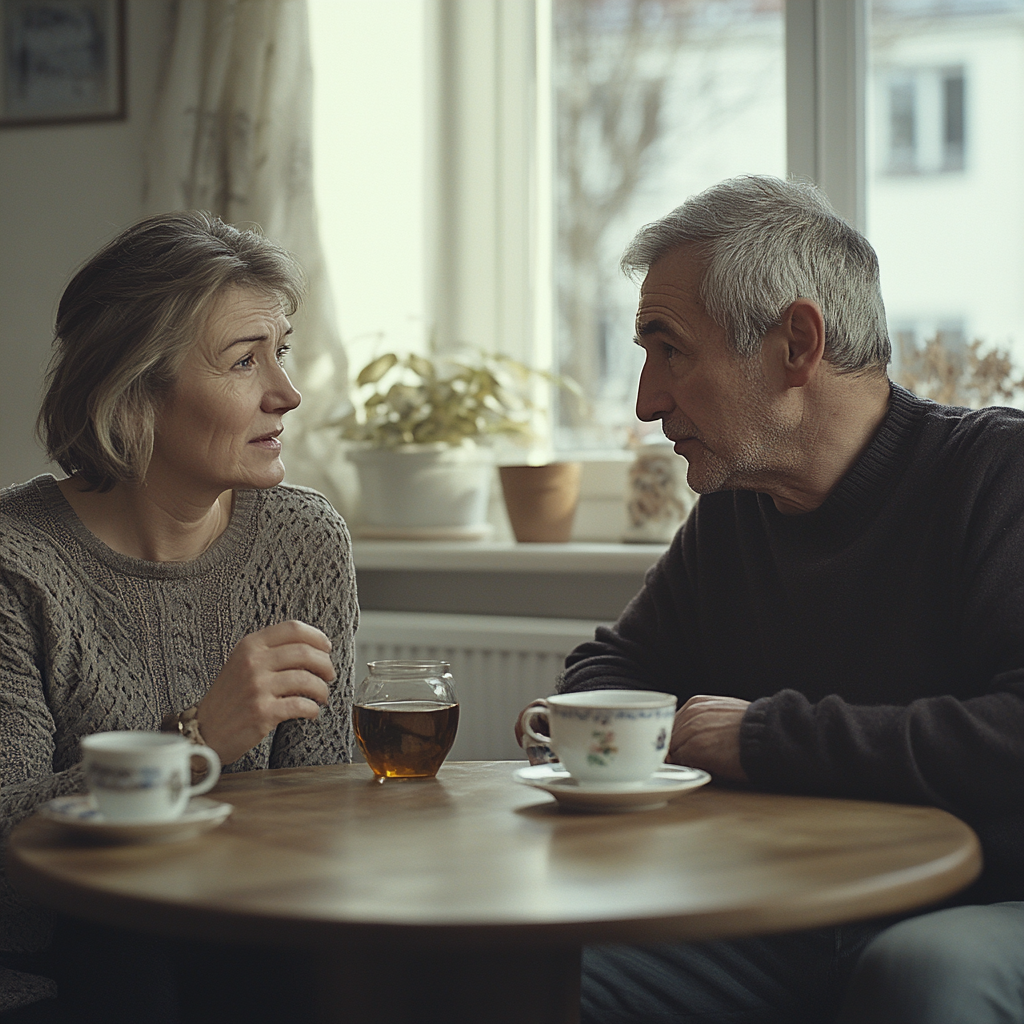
{"x": 803, "y": 330}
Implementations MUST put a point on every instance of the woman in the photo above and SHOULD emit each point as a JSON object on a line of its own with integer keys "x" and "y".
{"x": 170, "y": 581}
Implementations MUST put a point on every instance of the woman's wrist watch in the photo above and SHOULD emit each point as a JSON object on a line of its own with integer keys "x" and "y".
{"x": 184, "y": 723}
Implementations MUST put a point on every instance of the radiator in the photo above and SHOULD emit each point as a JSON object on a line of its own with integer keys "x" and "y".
{"x": 499, "y": 664}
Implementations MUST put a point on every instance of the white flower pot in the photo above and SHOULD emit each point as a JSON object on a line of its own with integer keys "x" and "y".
{"x": 429, "y": 492}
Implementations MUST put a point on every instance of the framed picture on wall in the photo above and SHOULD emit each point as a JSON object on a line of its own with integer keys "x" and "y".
{"x": 61, "y": 61}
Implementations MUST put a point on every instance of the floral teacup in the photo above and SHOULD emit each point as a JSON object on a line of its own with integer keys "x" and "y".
{"x": 605, "y": 736}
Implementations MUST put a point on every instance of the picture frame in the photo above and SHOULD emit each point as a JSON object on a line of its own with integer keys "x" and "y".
{"x": 61, "y": 61}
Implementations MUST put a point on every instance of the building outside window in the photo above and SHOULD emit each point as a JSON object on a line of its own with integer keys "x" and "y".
{"x": 944, "y": 159}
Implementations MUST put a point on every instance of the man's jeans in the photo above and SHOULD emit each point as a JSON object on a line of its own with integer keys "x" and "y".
{"x": 777, "y": 979}
{"x": 963, "y": 965}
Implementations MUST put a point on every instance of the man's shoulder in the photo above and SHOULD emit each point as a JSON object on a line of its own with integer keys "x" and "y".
{"x": 990, "y": 436}
{"x": 992, "y": 417}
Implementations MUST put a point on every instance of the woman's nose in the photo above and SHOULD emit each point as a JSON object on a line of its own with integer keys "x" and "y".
{"x": 281, "y": 395}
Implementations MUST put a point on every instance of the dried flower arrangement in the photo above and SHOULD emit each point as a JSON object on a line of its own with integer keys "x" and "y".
{"x": 952, "y": 376}
{"x": 413, "y": 399}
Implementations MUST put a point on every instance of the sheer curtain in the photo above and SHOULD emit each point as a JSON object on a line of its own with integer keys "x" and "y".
{"x": 232, "y": 133}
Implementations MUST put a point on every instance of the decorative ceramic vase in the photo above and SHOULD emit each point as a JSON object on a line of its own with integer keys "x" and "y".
{"x": 541, "y": 500}
{"x": 658, "y": 498}
{"x": 424, "y": 492}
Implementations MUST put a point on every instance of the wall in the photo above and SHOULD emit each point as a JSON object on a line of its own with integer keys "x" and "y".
{"x": 63, "y": 192}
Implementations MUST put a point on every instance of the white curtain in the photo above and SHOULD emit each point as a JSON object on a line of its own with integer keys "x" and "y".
{"x": 232, "y": 134}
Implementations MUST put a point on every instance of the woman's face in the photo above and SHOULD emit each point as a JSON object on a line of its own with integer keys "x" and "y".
{"x": 217, "y": 429}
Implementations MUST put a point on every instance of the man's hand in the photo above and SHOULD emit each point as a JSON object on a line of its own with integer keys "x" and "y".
{"x": 706, "y": 734}
{"x": 273, "y": 675}
{"x": 538, "y": 753}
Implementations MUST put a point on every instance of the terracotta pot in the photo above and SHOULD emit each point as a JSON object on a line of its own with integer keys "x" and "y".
{"x": 541, "y": 500}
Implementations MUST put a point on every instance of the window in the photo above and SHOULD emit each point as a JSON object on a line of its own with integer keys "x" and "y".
{"x": 479, "y": 184}
{"x": 654, "y": 100}
{"x": 924, "y": 120}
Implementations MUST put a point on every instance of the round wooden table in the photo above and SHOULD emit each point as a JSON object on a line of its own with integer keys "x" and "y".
{"x": 477, "y": 891}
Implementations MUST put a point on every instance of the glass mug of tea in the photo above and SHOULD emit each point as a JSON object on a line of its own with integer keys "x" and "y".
{"x": 405, "y": 717}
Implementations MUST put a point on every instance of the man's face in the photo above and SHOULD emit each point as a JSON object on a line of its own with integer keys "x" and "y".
{"x": 714, "y": 404}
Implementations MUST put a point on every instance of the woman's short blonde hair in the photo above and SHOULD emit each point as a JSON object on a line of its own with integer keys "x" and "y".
{"x": 126, "y": 322}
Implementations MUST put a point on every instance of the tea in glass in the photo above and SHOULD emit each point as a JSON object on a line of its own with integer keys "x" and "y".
{"x": 405, "y": 717}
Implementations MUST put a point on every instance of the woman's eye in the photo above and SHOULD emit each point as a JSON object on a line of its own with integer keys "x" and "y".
{"x": 282, "y": 352}
{"x": 246, "y": 362}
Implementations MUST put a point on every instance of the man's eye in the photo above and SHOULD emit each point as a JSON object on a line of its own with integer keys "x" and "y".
{"x": 282, "y": 352}
{"x": 246, "y": 362}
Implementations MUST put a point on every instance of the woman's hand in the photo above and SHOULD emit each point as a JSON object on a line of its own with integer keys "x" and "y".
{"x": 273, "y": 675}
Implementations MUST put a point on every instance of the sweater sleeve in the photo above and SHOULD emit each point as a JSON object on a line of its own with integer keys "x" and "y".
{"x": 654, "y": 645}
{"x": 27, "y": 745}
{"x": 327, "y": 589}
{"x": 27, "y": 729}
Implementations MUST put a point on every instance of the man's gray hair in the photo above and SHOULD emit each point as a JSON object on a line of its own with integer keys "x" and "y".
{"x": 765, "y": 243}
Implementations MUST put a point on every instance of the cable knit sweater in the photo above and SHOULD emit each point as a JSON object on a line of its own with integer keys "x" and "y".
{"x": 92, "y": 640}
{"x": 880, "y": 637}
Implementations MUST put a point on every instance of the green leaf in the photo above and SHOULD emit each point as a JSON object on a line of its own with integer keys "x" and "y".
{"x": 373, "y": 371}
{"x": 421, "y": 366}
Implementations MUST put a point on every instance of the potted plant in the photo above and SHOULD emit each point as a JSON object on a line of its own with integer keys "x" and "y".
{"x": 418, "y": 433}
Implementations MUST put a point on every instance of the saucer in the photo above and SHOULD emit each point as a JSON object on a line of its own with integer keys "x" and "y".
{"x": 79, "y": 815}
{"x": 668, "y": 781}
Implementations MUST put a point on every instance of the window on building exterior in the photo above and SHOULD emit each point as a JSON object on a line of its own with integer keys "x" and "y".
{"x": 924, "y": 120}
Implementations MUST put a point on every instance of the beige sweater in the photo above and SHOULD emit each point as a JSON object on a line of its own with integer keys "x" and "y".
{"x": 92, "y": 640}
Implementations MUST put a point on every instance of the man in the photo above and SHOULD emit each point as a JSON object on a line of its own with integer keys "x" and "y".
{"x": 843, "y": 612}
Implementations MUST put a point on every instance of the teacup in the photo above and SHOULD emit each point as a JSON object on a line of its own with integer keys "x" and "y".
{"x": 144, "y": 776}
{"x": 606, "y": 737}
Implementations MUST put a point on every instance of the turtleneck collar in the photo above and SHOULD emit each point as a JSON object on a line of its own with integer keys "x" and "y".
{"x": 871, "y": 477}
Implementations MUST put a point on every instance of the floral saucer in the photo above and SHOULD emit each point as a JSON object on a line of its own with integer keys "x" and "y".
{"x": 79, "y": 815}
{"x": 667, "y": 782}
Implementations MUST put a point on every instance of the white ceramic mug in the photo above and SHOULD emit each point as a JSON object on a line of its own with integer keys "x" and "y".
{"x": 144, "y": 776}
{"x": 605, "y": 736}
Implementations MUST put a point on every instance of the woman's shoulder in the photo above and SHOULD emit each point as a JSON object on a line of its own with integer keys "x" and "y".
{"x": 301, "y": 539}
{"x": 303, "y": 502}
{"x": 29, "y": 514}
{"x": 24, "y": 499}
{"x": 36, "y": 556}
{"x": 302, "y": 514}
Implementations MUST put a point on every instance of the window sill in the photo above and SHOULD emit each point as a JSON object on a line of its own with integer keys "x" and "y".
{"x": 504, "y": 556}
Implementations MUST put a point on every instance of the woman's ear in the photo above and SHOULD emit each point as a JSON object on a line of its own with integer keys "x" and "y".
{"x": 803, "y": 329}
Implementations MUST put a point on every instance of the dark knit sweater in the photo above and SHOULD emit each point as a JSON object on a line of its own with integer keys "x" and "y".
{"x": 880, "y": 637}
{"x": 91, "y": 640}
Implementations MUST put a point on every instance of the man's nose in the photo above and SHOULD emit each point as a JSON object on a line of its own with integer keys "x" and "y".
{"x": 653, "y": 402}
